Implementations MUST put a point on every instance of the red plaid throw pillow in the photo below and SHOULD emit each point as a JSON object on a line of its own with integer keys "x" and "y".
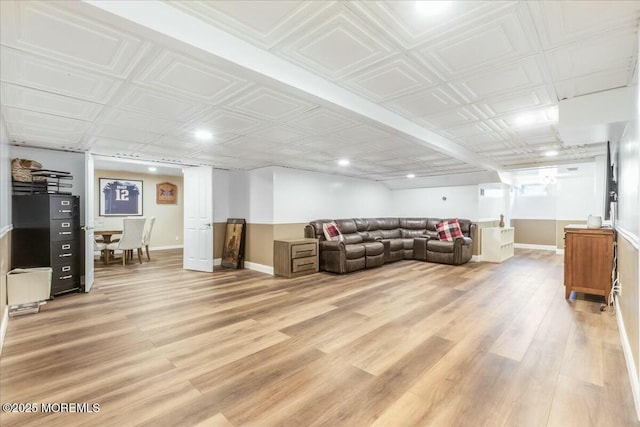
{"x": 331, "y": 231}
{"x": 449, "y": 230}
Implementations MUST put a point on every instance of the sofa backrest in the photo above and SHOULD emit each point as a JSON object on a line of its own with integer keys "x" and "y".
{"x": 465, "y": 226}
{"x": 349, "y": 231}
{"x": 356, "y": 230}
{"x": 313, "y": 230}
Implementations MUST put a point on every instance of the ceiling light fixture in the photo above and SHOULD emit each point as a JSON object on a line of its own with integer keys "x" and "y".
{"x": 152, "y": 168}
{"x": 551, "y": 153}
{"x": 411, "y": 175}
{"x": 203, "y": 135}
{"x": 344, "y": 162}
{"x": 432, "y": 8}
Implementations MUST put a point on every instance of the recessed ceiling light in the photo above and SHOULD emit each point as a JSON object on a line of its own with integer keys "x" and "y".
{"x": 432, "y": 8}
{"x": 152, "y": 168}
{"x": 551, "y": 153}
{"x": 344, "y": 162}
{"x": 203, "y": 135}
{"x": 411, "y": 175}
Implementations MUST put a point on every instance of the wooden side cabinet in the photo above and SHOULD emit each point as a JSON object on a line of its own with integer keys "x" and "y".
{"x": 588, "y": 260}
{"x": 295, "y": 257}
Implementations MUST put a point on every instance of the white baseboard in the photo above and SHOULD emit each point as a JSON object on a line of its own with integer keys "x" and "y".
{"x": 476, "y": 258}
{"x": 559, "y": 251}
{"x": 6, "y": 229}
{"x": 163, "y": 248}
{"x": 628, "y": 357}
{"x": 258, "y": 267}
{"x": 538, "y": 247}
{"x": 250, "y": 266}
{"x": 3, "y": 326}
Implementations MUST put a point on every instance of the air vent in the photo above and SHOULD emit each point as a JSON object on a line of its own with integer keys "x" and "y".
{"x": 574, "y": 169}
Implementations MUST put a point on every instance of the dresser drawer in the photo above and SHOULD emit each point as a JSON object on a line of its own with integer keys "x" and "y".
{"x": 63, "y": 229}
{"x": 304, "y": 264}
{"x": 303, "y": 250}
{"x": 63, "y": 251}
{"x": 64, "y": 207}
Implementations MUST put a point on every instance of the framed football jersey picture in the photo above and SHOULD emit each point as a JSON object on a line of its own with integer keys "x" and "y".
{"x": 120, "y": 197}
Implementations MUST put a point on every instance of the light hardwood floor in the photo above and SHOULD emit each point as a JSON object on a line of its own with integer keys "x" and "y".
{"x": 407, "y": 344}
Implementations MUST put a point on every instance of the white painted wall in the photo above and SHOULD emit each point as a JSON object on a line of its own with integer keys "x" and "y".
{"x": 491, "y": 206}
{"x": 5, "y": 180}
{"x": 461, "y": 202}
{"x": 535, "y": 207}
{"x": 302, "y": 196}
{"x": 577, "y": 198}
{"x": 251, "y": 195}
{"x": 629, "y": 177}
{"x": 60, "y": 161}
{"x": 220, "y": 195}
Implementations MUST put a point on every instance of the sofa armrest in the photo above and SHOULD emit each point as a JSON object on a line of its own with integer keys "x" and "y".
{"x": 331, "y": 245}
{"x": 463, "y": 241}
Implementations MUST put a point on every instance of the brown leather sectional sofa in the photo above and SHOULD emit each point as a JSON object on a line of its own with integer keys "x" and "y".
{"x": 372, "y": 242}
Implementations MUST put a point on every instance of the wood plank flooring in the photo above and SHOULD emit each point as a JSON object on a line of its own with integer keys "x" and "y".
{"x": 408, "y": 344}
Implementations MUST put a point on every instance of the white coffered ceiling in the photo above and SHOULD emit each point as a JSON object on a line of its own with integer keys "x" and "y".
{"x": 303, "y": 83}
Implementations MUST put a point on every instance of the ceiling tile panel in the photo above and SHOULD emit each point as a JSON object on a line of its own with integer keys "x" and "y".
{"x": 389, "y": 79}
{"x": 425, "y": 102}
{"x": 138, "y": 121}
{"x": 605, "y": 52}
{"x": 503, "y": 39}
{"x": 228, "y": 121}
{"x": 125, "y": 134}
{"x": 595, "y": 82}
{"x": 55, "y": 76}
{"x": 47, "y": 102}
{"x": 562, "y": 22}
{"x": 189, "y": 78}
{"x": 321, "y": 121}
{"x": 501, "y": 80}
{"x": 52, "y": 31}
{"x": 407, "y": 26}
{"x": 269, "y": 104}
{"x": 334, "y": 44}
{"x": 259, "y": 22}
{"x": 278, "y": 133}
{"x": 146, "y": 101}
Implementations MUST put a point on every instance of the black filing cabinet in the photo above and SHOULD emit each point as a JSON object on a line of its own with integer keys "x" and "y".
{"x": 46, "y": 233}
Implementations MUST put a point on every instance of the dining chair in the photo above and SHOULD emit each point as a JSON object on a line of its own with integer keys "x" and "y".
{"x": 146, "y": 235}
{"x": 102, "y": 247}
{"x": 131, "y": 239}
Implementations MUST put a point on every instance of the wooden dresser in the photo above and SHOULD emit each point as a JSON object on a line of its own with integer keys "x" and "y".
{"x": 295, "y": 257}
{"x": 588, "y": 260}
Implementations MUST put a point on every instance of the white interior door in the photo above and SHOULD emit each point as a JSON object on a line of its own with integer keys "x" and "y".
{"x": 198, "y": 219}
{"x": 88, "y": 221}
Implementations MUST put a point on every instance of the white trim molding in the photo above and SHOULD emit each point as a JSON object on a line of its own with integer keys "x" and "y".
{"x": 629, "y": 237}
{"x": 559, "y": 251}
{"x": 5, "y": 230}
{"x": 3, "y": 326}
{"x": 628, "y": 358}
{"x": 476, "y": 258}
{"x": 258, "y": 267}
{"x": 538, "y": 247}
{"x": 164, "y": 248}
{"x": 217, "y": 261}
